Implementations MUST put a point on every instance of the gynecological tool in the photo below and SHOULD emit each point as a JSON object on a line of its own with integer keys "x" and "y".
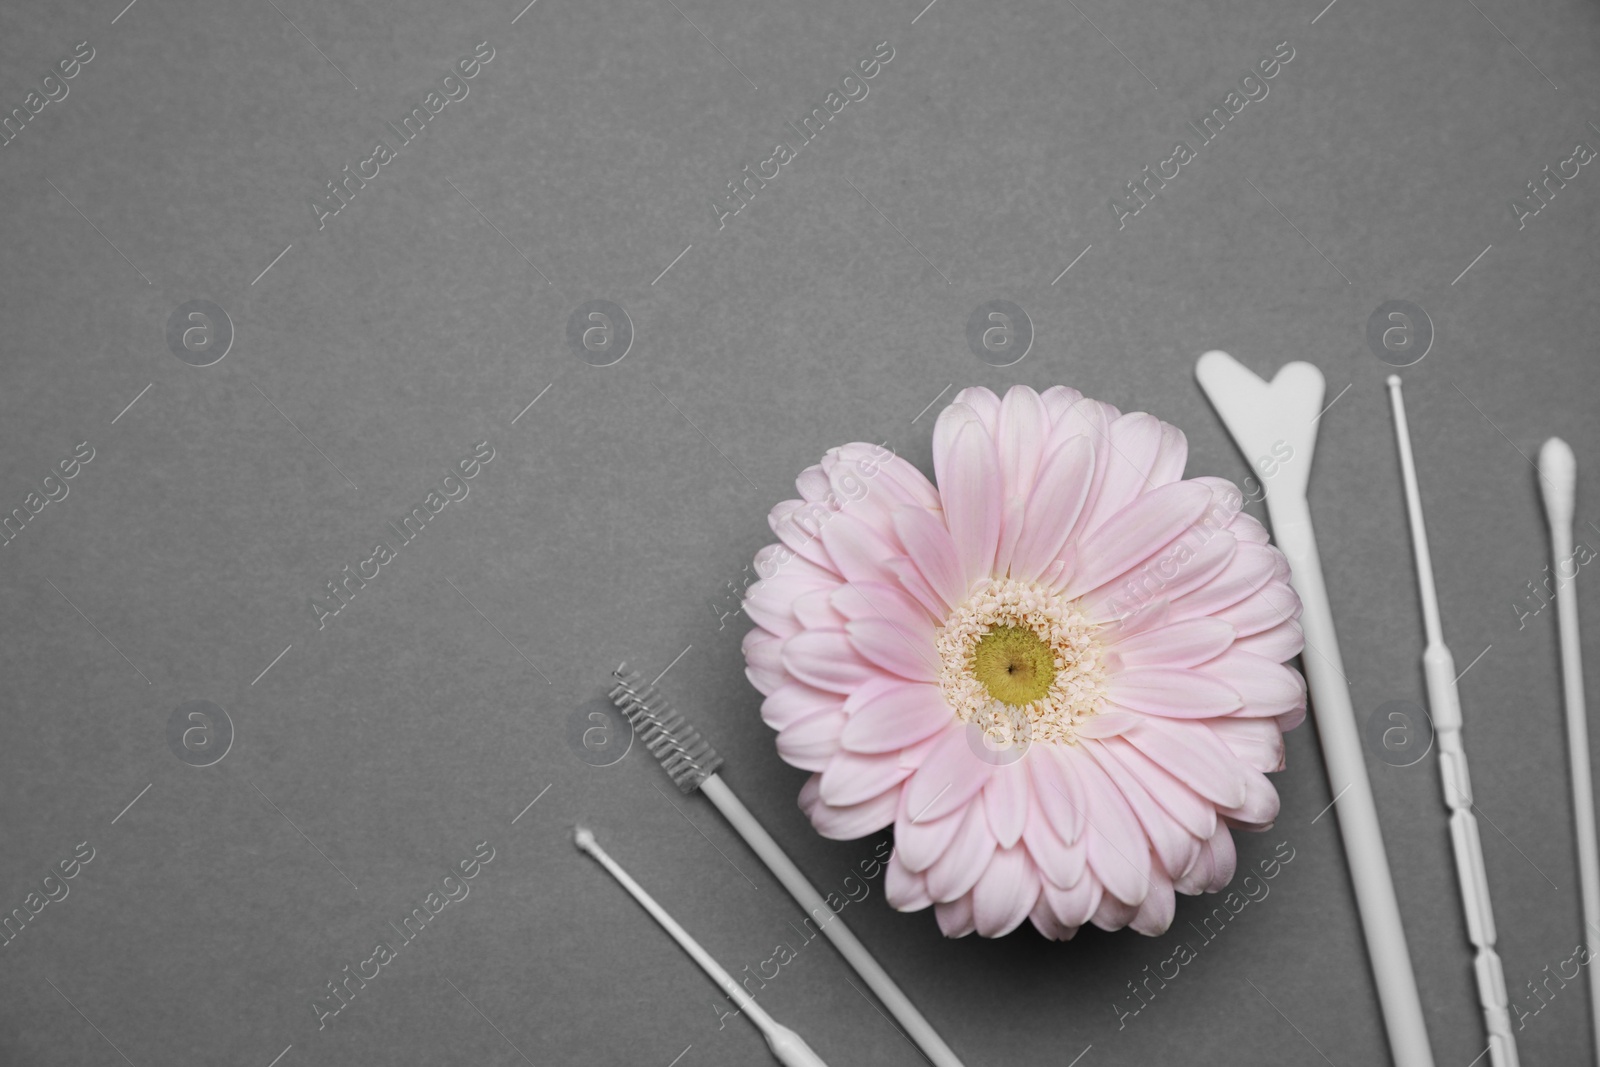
{"x": 1558, "y": 477}
{"x": 692, "y": 763}
{"x": 785, "y": 1044}
{"x": 1265, "y": 420}
{"x": 1439, "y": 671}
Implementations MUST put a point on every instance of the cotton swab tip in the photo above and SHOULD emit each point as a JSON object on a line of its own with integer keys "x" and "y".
{"x": 1558, "y": 477}
{"x": 583, "y": 837}
{"x": 1394, "y": 381}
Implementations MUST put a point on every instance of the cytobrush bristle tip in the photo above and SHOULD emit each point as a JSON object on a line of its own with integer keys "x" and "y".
{"x": 686, "y": 756}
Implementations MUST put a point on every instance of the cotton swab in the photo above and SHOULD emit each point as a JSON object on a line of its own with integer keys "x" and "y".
{"x": 1439, "y": 670}
{"x": 1558, "y": 477}
{"x": 1263, "y": 418}
{"x": 785, "y": 1044}
{"x": 692, "y": 764}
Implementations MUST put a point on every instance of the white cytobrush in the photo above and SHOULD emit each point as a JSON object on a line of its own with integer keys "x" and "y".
{"x": 693, "y": 763}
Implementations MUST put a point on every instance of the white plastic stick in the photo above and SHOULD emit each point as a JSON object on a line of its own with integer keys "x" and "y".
{"x": 786, "y": 1045}
{"x": 1263, "y": 420}
{"x": 855, "y": 953}
{"x": 1444, "y": 701}
{"x": 1558, "y": 477}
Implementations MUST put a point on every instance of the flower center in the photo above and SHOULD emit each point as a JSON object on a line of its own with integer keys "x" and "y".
{"x": 1021, "y": 663}
{"x": 1014, "y": 665}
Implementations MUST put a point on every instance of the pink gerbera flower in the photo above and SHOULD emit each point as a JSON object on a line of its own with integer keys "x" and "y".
{"x": 1060, "y": 673}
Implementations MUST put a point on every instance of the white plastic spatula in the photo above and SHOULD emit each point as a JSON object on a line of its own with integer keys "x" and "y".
{"x": 1264, "y": 418}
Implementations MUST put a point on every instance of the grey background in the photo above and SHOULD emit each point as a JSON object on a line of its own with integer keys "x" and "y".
{"x": 425, "y": 719}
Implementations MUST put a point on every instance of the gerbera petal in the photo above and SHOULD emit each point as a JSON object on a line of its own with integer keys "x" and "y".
{"x": 1005, "y": 893}
{"x": 1257, "y": 743}
{"x": 1058, "y": 399}
{"x": 1060, "y": 792}
{"x": 1260, "y": 807}
{"x": 918, "y": 843}
{"x": 1043, "y": 918}
{"x": 950, "y": 776}
{"x": 931, "y": 547}
{"x": 811, "y": 743}
{"x": 1113, "y": 914}
{"x": 1020, "y": 437}
{"x": 797, "y": 524}
{"x": 1173, "y": 845}
{"x": 1278, "y": 643}
{"x": 1108, "y": 723}
{"x": 1194, "y": 755}
{"x": 795, "y": 701}
{"x": 982, "y": 403}
{"x": 877, "y": 600}
{"x": 1155, "y": 914}
{"x": 1060, "y": 862}
{"x": 1193, "y": 812}
{"x": 904, "y": 889}
{"x": 1136, "y": 533}
{"x": 774, "y": 560}
{"x": 827, "y": 660}
{"x": 955, "y": 917}
{"x": 1012, "y": 520}
{"x": 846, "y": 823}
{"x": 1073, "y": 905}
{"x": 1247, "y": 572}
{"x": 1053, "y": 508}
{"x": 1265, "y": 686}
{"x": 1133, "y": 443}
{"x": 1273, "y": 604}
{"x": 770, "y": 601}
{"x": 1187, "y": 694}
{"x": 1181, "y": 644}
{"x": 857, "y": 549}
{"x": 852, "y": 778}
{"x": 895, "y": 648}
{"x": 969, "y": 485}
{"x": 815, "y": 610}
{"x": 1171, "y": 457}
{"x": 963, "y": 863}
{"x": 763, "y": 656}
{"x": 1119, "y": 853}
{"x": 1005, "y": 802}
{"x": 895, "y": 716}
{"x": 899, "y": 478}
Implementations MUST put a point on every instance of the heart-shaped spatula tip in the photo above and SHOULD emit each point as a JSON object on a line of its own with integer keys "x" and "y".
{"x": 1273, "y": 423}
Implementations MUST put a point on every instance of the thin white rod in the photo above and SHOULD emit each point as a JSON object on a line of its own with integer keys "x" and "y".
{"x": 747, "y": 1003}
{"x": 855, "y": 953}
{"x": 1439, "y": 670}
{"x": 1419, "y": 535}
{"x": 1558, "y": 479}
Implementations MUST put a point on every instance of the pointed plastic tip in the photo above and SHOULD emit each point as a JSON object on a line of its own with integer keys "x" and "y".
{"x": 1394, "y": 381}
{"x": 1558, "y": 478}
{"x": 583, "y": 837}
